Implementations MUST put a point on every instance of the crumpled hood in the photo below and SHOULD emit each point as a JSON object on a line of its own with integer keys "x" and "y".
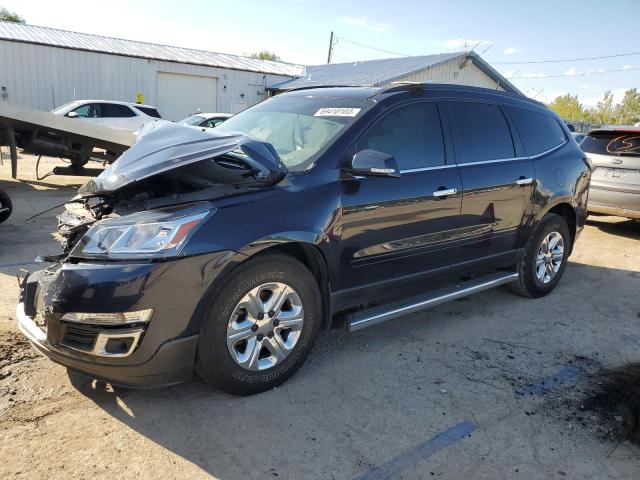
{"x": 163, "y": 146}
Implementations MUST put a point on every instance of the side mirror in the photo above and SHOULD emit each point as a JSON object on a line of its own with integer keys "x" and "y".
{"x": 72, "y": 115}
{"x": 373, "y": 163}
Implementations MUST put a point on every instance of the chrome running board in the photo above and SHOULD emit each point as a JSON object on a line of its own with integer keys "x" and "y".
{"x": 366, "y": 318}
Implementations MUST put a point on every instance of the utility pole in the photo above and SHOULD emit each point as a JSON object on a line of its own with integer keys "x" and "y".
{"x": 330, "y": 48}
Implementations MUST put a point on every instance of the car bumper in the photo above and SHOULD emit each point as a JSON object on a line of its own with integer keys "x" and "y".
{"x": 165, "y": 347}
{"x": 612, "y": 202}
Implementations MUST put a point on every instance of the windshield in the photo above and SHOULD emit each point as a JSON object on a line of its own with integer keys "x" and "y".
{"x": 612, "y": 143}
{"x": 193, "y": 120}
{"x": 298, "y": 127}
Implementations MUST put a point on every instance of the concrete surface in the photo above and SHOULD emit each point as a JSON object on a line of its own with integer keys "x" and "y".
{"x": 464, "y": 390}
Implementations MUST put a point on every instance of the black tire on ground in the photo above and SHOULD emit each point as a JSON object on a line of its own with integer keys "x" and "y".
{"x": 215, "y": 363}
{"x": 528, "y": 284}
{"x": 5, "y": 202}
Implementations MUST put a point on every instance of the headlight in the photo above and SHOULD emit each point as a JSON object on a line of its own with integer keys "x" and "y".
{"x": 150, "y": 234}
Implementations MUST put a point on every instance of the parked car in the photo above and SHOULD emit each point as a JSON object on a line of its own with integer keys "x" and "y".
{"x": 119, "y": 115}
{"x": 578, "y": 137}
{"x": 5, "y": 206}
{"x": 205, "y": 120}
{"x": 228, "y": 251}
{"x": 615, "y": 186}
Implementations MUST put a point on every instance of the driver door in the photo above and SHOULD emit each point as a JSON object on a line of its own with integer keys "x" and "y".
{"x": 398, "y": 230}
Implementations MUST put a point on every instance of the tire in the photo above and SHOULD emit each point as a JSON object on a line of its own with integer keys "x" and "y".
{"x": 233, "y": 365}
{"x": 529, "y": 284}
{"x": 5, "y": 202}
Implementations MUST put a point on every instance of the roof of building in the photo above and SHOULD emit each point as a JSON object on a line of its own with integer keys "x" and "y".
{"x": 372, "y": 73}
{"x": 117, "y": 46}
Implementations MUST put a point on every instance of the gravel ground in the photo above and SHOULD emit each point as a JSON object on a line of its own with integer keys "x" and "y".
{"x": 491, "y": 386}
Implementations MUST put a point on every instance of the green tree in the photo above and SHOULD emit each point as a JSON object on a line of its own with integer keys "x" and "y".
{"x": 7, "y": 16}
{"x": 265, "y": 55}
{"x": 604, "y": 110}
{"x": 628, "y": 111}
{"x": 568, "y": 107}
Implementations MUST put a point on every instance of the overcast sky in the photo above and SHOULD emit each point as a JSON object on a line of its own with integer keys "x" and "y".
{"x": 298, "y": 31}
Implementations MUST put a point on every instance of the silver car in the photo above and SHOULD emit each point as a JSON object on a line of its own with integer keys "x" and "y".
{"x": 615, "y": 180}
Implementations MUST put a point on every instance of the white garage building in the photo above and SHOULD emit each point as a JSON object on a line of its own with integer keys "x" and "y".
{"x": 44, "y": 68}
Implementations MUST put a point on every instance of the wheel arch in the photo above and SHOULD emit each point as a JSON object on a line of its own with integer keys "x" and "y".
{"x": 303, "y": 247}
{"x": 566, "y": 208}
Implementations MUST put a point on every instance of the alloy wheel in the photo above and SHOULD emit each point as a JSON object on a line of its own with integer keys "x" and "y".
{"x": 265, "y": 326}
{"x": 549, "y": 258}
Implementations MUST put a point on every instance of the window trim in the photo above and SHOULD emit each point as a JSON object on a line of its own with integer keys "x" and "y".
{"x": 443, "y": 125}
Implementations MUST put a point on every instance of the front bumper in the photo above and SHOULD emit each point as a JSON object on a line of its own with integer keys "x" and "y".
{"x": 166, "y": 348}
{"x": 171, "y": 364}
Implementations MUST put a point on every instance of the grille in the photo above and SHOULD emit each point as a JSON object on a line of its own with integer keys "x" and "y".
{"x": 81, "y": 337}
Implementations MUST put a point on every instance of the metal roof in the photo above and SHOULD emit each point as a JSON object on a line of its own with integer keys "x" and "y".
{"x": 17, "y": 32}
{"x": 373, "y": 73}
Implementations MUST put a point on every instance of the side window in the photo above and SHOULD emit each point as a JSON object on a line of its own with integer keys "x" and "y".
{"x": 88, "y": 110}
{"x": 212, "y": 122}
{"x": 539, "y": 132}
{"x": 113, "y": 110}
{"x": 412, "y": 134}
{"x": 483, "y": 132}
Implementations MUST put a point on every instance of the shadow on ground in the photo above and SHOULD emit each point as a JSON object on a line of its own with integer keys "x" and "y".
{"x": 402, "y": 382}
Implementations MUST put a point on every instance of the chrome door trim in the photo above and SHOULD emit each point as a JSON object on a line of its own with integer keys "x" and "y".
{"x": 498, "y": 160}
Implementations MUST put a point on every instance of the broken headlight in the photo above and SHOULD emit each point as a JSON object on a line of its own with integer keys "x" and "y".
{"x": 149, "y": 234}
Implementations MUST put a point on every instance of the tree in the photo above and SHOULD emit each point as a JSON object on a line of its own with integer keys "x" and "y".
{"x": 568, "y": 107}
{"x": 265, "y": 55}
{"x": 7, "y": 16}
{"x": 604, "y": 110}
{"x": 628, "y": 111}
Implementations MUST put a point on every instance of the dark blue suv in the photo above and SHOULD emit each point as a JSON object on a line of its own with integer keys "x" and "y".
{"x": 226, "y": 252}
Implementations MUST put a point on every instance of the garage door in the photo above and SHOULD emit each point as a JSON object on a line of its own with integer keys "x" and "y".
{"x": 181, "y": 95}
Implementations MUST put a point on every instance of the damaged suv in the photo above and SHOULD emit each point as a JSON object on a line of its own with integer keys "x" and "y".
{"x": 226, "y": 252}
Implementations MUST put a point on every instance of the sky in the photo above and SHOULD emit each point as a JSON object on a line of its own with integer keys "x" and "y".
{"x": 503, "y": 32}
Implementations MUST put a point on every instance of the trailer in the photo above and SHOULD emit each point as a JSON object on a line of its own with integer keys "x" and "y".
{"x": 44, "y": 133}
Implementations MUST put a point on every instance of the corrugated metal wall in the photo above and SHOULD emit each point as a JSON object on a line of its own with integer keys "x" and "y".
{"x": 45, "y": 77}
{"x": 452, "y": 73}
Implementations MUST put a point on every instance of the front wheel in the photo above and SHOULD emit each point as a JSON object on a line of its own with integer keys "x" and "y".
{"x": 260, "y": 326}
{"x": 544, "y": 259}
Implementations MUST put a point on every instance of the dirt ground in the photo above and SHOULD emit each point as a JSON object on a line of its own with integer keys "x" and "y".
{"x": 492, "y": 386}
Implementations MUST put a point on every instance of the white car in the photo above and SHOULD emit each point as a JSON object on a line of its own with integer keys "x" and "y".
{"x": 119, "y": 115}
{"x": 205, "y": 120}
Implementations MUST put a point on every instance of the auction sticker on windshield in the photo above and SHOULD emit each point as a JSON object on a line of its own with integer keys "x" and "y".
{"x": 337, "y": 112}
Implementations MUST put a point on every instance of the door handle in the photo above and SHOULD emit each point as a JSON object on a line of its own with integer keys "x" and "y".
{"x": 524, "y": 181}
{"x": 445, "y": 192}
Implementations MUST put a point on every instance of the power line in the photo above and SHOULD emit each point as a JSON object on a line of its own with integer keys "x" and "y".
{"x": 370, "y": 47}
{"x": 577, "y": 74}
{"x": 615, "y": 55}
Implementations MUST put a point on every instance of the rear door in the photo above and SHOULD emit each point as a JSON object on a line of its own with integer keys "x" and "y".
{"x": 395, "y": 228}
{"x": 615, "y": 181}
{"x": 497, "y": 182}
{"x": 119, "y": 116}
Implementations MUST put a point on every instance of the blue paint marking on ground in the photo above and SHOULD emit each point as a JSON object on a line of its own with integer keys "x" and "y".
{"x": 562, "y": 376}
{"x": 408, "y": 459}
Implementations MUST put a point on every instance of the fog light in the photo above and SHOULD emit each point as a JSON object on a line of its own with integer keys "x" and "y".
{"x": 120, "y": 318}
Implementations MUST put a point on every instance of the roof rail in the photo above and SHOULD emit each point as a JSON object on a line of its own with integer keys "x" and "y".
{"x": 310, "y": 87}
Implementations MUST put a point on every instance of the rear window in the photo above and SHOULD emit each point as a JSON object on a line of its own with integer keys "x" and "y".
{"x": 483, "y": 132}
{"x": 152, "y": 112}
{"x": 539, "y": 132}
{"x": 612, "y": 143}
